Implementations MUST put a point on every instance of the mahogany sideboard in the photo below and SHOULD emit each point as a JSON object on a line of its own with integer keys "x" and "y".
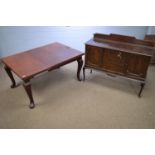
{"x": 120, "y": 55}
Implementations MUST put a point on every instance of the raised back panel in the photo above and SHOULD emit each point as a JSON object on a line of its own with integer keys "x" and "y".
{"x": 143, "y": 43}
{"x": 122, "y": 38}
{"x": 101, "y": 36}
{"x": 150, "y": 38}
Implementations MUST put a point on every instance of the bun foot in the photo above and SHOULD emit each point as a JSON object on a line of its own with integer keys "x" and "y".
{"x": 27, "y": 86}
{"x": 13, "y": 86}
{"x": 32, "y": 105}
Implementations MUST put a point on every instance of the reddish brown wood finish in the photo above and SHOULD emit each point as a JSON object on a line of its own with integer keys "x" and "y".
{"x": 46, "y": 58}
{"x": 8, "y": 71}
{"x": 122, "y": 38}
{"x": 94, "y": 58}
{"x": 32, "y": 62}
{"x": 119, "y": 55}
{"x": 27, "y": 87}
{"x": 150, "y": 38}
{"x": 80, "y": 63}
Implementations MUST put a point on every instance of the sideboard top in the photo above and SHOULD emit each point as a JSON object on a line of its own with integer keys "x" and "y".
{"x": 122, "y": 43}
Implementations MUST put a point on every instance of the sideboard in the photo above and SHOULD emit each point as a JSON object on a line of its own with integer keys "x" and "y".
{"x": 120, "y": 55}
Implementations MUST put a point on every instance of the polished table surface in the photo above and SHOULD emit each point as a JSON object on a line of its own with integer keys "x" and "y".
{"x": 32, "y": 62}
{"x": 46, "y": 58}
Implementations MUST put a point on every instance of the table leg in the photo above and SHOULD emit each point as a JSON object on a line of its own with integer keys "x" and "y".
{"x": 141, "y": 89}
{"x": 84, "y": 73}
{"x": 80, "y": 63}
{"x": 28, "y": 90}
{"x": 8, "y": 71}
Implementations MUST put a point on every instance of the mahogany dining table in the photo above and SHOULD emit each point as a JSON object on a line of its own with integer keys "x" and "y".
{"x": 30, "y": 63}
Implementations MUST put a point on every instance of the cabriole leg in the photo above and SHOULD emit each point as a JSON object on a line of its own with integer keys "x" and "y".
{"x": 141, "y": 89}
{"x": 80, "y": 63}
{"x": 27, "y": 87}
{"x": 8, "y": 71}
{"x": 84, "y": 73}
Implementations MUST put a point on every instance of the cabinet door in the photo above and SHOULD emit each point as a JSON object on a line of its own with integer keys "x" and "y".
{"x": 93, "y": 56}
{"x": 137, "y": 65}
{"x": 113, "y": 61}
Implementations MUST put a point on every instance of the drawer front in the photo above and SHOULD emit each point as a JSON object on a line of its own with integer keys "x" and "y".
{"x": 93, "y": 56}
{"x": 114, "y": 61}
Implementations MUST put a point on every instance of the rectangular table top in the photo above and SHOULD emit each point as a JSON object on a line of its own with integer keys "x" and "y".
{"x": 34, "y": 61}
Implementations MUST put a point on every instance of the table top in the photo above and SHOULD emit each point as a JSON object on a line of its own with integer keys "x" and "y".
{"x": 35, "y": 61}
{"x": 121, "y": 46}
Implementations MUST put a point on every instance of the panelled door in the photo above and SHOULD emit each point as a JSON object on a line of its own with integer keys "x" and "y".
{"x": 137, "y": 65}
{"x": 113, "y": 61}
{"x": 93, "y": 56}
